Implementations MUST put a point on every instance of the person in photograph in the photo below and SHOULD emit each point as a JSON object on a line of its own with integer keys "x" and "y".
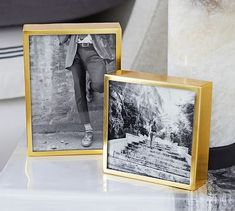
{"x": 87, "y": 53}
{"x": 153, "y": 132}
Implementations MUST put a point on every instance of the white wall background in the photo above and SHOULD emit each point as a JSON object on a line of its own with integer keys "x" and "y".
{"x": 202, "y": 46}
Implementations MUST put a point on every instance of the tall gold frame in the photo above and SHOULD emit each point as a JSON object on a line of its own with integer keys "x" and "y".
{"x": 201, "y": 128}
{"x": 62, "y": 29}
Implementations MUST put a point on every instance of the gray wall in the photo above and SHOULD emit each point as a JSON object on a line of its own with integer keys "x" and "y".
{"x": 52, "y": 93}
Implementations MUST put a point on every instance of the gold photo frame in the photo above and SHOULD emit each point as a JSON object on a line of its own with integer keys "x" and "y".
{"x": 157, "y": 128}
{"x": 54, "y": 126}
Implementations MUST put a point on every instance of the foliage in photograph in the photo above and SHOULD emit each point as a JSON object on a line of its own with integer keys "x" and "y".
{"x": 150, "y": 130}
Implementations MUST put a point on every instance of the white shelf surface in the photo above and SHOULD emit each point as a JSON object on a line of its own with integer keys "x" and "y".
{"x": 77, "y": 182}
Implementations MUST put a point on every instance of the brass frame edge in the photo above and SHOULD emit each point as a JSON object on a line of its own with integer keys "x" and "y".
{"x": 27, "y": 32}
{"x": 204, "y": 133}
{"x": 194, "y": 183}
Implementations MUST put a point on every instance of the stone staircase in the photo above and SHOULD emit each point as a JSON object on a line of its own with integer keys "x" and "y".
{"x": 164, "y": 160}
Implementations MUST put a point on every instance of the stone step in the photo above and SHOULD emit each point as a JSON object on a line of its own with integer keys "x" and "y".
{"x": 156, "y": 153}
{"x": 159, "y": 144}
{"x": 138, "y": 150}
{"x": 156, "y": 160}
{"x": 164, "y": 156}
{"x": 135, "y": 168}
{"x": 168, "y": 167}
{"x": 148, "y": 145}
{"x": 156, "y": 148}
{"x": 160, "y": 147}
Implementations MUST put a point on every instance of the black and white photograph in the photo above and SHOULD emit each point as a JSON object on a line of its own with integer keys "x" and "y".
{"x": 67, "y": 84}
{"x": 150, "y": 130}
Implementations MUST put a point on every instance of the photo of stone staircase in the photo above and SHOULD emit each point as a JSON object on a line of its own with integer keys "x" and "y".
{"x": 150, "y": 131}
{"x": 164, "y": 160}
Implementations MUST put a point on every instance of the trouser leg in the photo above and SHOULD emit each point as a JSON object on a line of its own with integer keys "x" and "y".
{"x": 79, "y": 78}
{"x": 95, "y": 66}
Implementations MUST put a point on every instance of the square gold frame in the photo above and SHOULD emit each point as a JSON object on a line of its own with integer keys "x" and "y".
{"x": 62, "y": 29}
{"x": 201, "y": 128}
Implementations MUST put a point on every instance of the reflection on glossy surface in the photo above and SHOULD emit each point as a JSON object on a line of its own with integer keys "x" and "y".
{"x": 174, "y": 199}
{"x": 221, "y": 189}
{"x": 70, "y": 173}
{"x": 75, "y": 180}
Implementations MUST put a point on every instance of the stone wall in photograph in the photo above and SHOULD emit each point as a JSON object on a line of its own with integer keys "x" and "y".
{"x": 52, "y": 93}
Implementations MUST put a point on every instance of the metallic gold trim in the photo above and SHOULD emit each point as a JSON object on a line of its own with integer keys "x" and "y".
{"x": 201, "y": 129}
{"x": 59, "y": 29}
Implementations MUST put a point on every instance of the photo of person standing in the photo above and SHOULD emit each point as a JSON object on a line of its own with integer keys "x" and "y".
{"x": 87, "y": 54}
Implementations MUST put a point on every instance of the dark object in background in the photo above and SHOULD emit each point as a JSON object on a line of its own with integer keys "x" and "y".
{"x": 44, "y": 11}
{"x": 222, "y": 157}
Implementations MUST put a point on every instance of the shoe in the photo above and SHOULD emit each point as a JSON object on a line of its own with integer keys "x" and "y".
{"x": 87, "y": 139}
{"x": 89, "y": 92}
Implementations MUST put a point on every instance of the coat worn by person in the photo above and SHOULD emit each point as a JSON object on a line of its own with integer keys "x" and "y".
{"x": 101, "y": 44}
